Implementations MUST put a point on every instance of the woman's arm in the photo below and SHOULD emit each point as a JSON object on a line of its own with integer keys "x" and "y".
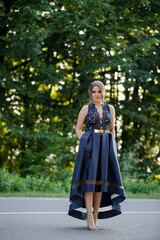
{"x": 112, "y": 126}
{"x": 80, "y": 121}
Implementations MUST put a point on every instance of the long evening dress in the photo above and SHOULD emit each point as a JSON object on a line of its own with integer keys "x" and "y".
{"x": 97, "y": 160}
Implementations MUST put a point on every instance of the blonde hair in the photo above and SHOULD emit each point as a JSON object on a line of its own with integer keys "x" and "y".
{"x": 101, "y": 86}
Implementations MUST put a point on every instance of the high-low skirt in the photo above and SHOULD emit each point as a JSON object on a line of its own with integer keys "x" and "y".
{"x": 97, "y": 170}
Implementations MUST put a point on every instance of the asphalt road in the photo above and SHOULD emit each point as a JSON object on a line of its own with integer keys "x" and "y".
{"x": 47, "y": 219}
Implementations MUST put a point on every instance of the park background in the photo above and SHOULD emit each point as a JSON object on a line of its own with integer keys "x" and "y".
{"x": 50, "y": 52}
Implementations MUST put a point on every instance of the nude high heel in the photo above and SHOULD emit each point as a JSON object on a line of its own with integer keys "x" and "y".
{"x": 90, "y": 227}
{"x": 96, "y": 224}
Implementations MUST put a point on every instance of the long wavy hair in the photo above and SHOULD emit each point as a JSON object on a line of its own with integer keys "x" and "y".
{"x": 101, "y": 86}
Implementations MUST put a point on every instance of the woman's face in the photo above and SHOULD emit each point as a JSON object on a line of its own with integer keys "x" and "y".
{"x": 96, "y": 94}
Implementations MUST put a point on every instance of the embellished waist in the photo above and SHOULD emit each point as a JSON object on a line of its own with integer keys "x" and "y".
{"x": 100, "y": 131}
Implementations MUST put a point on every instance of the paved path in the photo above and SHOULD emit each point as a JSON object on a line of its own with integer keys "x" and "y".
{"x": 47, "y": 219}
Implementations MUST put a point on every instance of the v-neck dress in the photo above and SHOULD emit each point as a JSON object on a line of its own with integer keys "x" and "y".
{"x": 97, "y": 168}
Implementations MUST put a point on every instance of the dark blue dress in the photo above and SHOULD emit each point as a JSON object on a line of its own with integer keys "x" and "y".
{"x": 97, "y": 161}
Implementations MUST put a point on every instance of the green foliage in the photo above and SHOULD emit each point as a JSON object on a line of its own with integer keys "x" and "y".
{"x": 50, "y": 52}
{"x": 141, "y": 186}
{"x": 135, "y": 164}
{"x": 15, "y": 183}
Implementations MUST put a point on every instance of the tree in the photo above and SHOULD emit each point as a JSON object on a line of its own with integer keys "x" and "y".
{"x": 50, "y": 52}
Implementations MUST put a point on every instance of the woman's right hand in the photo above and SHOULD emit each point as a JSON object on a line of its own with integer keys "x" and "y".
{"x": 80, "y": 137}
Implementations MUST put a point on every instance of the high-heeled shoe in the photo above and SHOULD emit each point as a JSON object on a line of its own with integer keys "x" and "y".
{"x": 90, "y": 227}
{"x": 96, "y": 223}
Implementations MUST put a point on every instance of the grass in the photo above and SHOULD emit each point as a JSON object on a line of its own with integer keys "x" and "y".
{"x": 153, "y": 195}
{"x": 34, "y": 194}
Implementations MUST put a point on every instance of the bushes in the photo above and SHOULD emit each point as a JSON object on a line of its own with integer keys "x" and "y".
{"x": 15, "y": 183}
{"x": 141, "y": 186}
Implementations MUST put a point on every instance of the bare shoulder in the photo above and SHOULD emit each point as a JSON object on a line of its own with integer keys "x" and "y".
{"x": 112, "y": 109}
{"x": 84, "y": 109}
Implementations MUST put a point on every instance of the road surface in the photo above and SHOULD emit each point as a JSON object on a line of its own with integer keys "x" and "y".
{"x": 47, "y": 219}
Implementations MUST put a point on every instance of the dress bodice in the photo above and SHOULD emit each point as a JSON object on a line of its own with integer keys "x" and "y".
{"x": 93, "y": 119}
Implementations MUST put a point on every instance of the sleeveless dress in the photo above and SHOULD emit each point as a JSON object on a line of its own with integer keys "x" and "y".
{"x": 97, "y": 161}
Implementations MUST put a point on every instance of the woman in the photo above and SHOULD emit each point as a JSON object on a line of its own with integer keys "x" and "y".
{"x": 96, "y": 179}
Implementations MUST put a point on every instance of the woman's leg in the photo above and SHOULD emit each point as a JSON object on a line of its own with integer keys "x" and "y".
{"x": 97, "y": 201}
{"x": 97, "y": 197}
{"x": 88, "y": 197}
